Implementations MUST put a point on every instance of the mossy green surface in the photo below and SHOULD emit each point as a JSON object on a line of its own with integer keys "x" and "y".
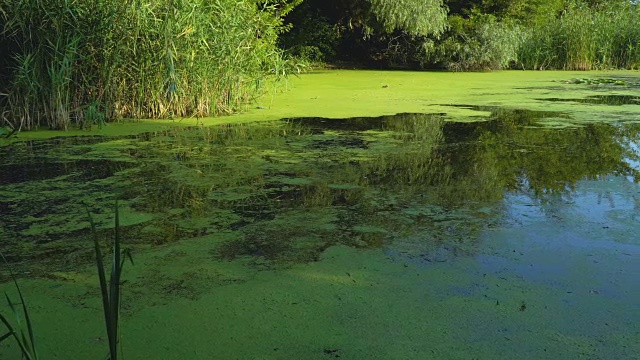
{"x": 362, "y": 93}
{"x": 482, "y": 223}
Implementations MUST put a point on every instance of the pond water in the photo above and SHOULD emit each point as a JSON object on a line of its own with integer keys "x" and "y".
{"x": 603, "y": 99}
{"x": 407, "y": 236}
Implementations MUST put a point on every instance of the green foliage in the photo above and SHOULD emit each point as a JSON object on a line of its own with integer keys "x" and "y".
{"x": 137, "y": 59}
{"x": 525, "y": 11}
{"x": 559, "y": 34}
{"x": 585, "y": 38}
{"x": 415, "y": 17}
{"x": 363, "y": 30}
{"x": 279, "y": 7}
{"x": 476, "y": 43}
{"x": 477, "y": 35}
{"x": 401, "y": 49}
{"x": 313, "y": 37}
{"x": 110, "y": 291}
{"x": 22, "y": 332}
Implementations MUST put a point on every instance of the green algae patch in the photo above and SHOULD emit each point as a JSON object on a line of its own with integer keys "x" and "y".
{"x": 346, "y": 93}
{"x": 361, "y": 93}
{"x": 397, "y": 310}
{"x": 413, "y": 176}
{"x": 477, "y": 229}
{"x": 618, "y": 81}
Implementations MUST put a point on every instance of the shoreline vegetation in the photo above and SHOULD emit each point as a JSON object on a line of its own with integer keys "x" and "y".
{"x": 79, "y": 64}
{"x": 88, "y": 62}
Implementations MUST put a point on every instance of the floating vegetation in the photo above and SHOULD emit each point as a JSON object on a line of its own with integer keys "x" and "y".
{"x": 602, "y": 100}
{"x": 596, "y": 81}
{"x": 413, "y": 184}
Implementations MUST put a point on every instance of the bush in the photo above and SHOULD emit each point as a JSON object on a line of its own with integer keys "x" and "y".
{"x": 479, "y": 42}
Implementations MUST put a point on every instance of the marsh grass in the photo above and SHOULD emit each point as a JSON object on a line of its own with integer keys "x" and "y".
{"x": 22, "y": 332}
{"x": 110, "y": 291}
{"x": 585, "y": 38}
{"x": 138, "y": 59}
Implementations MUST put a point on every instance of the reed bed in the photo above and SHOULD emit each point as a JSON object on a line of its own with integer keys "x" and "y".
{"x": 84, "y": 62}
{"x": 585, "y": 38}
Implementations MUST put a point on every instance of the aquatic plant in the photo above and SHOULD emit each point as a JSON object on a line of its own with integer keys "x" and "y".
{"x": 22, "y": 332}
{"x": 110, "y": 291}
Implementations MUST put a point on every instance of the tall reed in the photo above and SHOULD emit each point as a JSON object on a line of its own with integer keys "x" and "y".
{"x": 22, "y": 332}
{"x": 110, "y": 291}
{"x": 135, "y": 58}
{"x": 585, "y": 38}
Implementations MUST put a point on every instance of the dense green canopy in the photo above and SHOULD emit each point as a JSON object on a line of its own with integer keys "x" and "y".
{"x": 417, "y": 17}
{"x": 469, "y": 35}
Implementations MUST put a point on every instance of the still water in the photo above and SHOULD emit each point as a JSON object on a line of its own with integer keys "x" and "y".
{"x": 486, "y": 240}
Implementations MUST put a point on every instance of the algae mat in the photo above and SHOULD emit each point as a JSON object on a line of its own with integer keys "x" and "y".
{"x": 356, "y": 93}
{"x": 465, "y": 228}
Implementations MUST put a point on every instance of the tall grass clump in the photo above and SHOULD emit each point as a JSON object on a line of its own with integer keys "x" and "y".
{"x": 22, "y": 330}
{"x": 140, "y": 59}
{"x": 110, "y": 291}
{"x": 585, "y": 38}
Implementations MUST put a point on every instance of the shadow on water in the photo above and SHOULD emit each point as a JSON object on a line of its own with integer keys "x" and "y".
{"x": 518, "y": 116}
{"x": 78, "y": 170}
{"x": 282, "y": 192}
{"x": 601, "y": 100}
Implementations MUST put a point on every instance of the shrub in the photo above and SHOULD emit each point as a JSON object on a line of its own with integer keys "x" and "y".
{"x": 480, "y": 42}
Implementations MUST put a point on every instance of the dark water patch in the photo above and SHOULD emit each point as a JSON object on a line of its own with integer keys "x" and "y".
{"x": 352, "y": 124}
{"x": 287, "y": 238}
{"x": 519, "y": 116}
{"x": 66, "y": 141}
{"x": 337, "y": 143}
{"x": 78, "y": 170}
{"x": 614, "y": 100}
{"x": 380, "y": 123}
{"x": 538, "y": 88}
{"x": 42, "y": 146}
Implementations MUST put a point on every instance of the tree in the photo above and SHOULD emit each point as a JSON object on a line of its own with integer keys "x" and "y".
{"x": 523, "y": 10}
{"x": 362, "y": 27}
{"x": 415, "y": 17}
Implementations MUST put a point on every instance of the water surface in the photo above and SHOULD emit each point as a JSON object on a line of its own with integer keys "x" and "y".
{"x": 405, "y": 236}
